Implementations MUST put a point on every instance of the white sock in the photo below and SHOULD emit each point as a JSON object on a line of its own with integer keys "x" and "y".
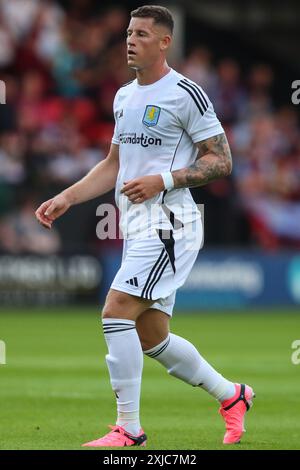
{"x": 125, "y": 365}
{"x": 183, "y": 361}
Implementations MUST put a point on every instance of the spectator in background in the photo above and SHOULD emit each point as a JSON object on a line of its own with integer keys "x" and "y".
{"x": 198, "y": 67}
{"x": 69, "y": 61}
{"x": 19, "y": 16}
{"x": 259, "y": 99}
{"x": 49, "y": 23}
{"x": 31, "y": 107}
{"x": 12, "y": 164}
{"x": 268, "y": 177}
{"x": 7, "y": 49}
{"x": 230, "y": 94}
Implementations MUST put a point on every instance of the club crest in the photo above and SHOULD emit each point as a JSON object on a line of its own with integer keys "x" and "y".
{"x": 151, "y": 115}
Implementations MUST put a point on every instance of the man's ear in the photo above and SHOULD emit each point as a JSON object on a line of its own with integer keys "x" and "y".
{"x": 165, "y": 42}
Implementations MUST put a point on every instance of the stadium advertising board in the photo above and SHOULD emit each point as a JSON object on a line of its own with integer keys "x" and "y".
{"x": 219, "y": 279}
{"x": 241, "y": 279}
{"x": 52, "y": 280}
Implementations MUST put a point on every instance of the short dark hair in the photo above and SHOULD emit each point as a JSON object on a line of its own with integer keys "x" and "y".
{"x": 160, "y": 15}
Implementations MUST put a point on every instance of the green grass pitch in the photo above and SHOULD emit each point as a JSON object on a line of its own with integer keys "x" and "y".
{"x": 55, "y": 392}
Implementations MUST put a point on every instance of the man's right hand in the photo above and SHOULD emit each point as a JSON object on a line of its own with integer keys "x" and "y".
{"x": 52, "y": 209}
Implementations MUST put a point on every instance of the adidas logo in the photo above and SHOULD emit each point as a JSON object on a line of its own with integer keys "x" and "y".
{"x": 133, "y": 282}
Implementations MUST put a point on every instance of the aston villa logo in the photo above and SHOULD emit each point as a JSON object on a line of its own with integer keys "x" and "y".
{"x": 151, "y": 115}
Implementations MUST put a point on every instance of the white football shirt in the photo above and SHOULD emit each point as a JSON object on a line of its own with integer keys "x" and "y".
{"x": 156, "y": 128}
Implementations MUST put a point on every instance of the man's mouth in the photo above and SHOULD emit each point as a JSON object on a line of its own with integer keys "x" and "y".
{"x": 131, "y": 53}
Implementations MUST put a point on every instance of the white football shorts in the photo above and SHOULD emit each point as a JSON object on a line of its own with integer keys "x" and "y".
{"x": 155, "y": 267}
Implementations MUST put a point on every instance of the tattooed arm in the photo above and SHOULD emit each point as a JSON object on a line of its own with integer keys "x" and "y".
{"x": 213, "y": 161}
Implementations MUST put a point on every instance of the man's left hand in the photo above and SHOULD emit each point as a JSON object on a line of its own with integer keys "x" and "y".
{"x": 140, "y": 189}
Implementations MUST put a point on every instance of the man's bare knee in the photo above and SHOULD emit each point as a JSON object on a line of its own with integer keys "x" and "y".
{"x": 107, "y": 312}
{"x": 114, "y": 307}
{"x": 123, "y": 305}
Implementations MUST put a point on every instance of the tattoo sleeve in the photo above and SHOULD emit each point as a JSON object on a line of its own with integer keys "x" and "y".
{"x": 213, "y": 162}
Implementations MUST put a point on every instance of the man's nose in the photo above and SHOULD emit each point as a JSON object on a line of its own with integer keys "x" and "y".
{"x": 130, "y": 42}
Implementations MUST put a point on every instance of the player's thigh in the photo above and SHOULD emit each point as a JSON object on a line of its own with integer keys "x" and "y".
{"x": 153, "y": 327}
{"x": 122, "y": 305}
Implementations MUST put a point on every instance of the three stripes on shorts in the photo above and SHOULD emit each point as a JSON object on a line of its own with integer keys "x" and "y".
{"x": 155, "y": 274}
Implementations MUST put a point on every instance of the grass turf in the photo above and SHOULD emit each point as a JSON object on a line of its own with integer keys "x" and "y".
{"x": 55, "y": 391}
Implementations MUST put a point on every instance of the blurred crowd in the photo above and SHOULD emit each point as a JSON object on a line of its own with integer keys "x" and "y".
{"x": 62, "y": 68}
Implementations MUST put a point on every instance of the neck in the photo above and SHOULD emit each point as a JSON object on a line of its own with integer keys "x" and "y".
{"x": 152, "y": 75}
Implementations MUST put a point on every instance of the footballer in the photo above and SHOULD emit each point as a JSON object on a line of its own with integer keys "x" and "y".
{"x": 167, "y": 139}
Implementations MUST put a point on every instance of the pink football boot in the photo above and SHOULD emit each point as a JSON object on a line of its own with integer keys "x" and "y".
{"x": 233, "y": 412}
{"x": 118, "y": 437}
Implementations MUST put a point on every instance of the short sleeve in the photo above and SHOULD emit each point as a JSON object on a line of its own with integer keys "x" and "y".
{"x": 196, "y": 113}
{"x": 115, "y": 137}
